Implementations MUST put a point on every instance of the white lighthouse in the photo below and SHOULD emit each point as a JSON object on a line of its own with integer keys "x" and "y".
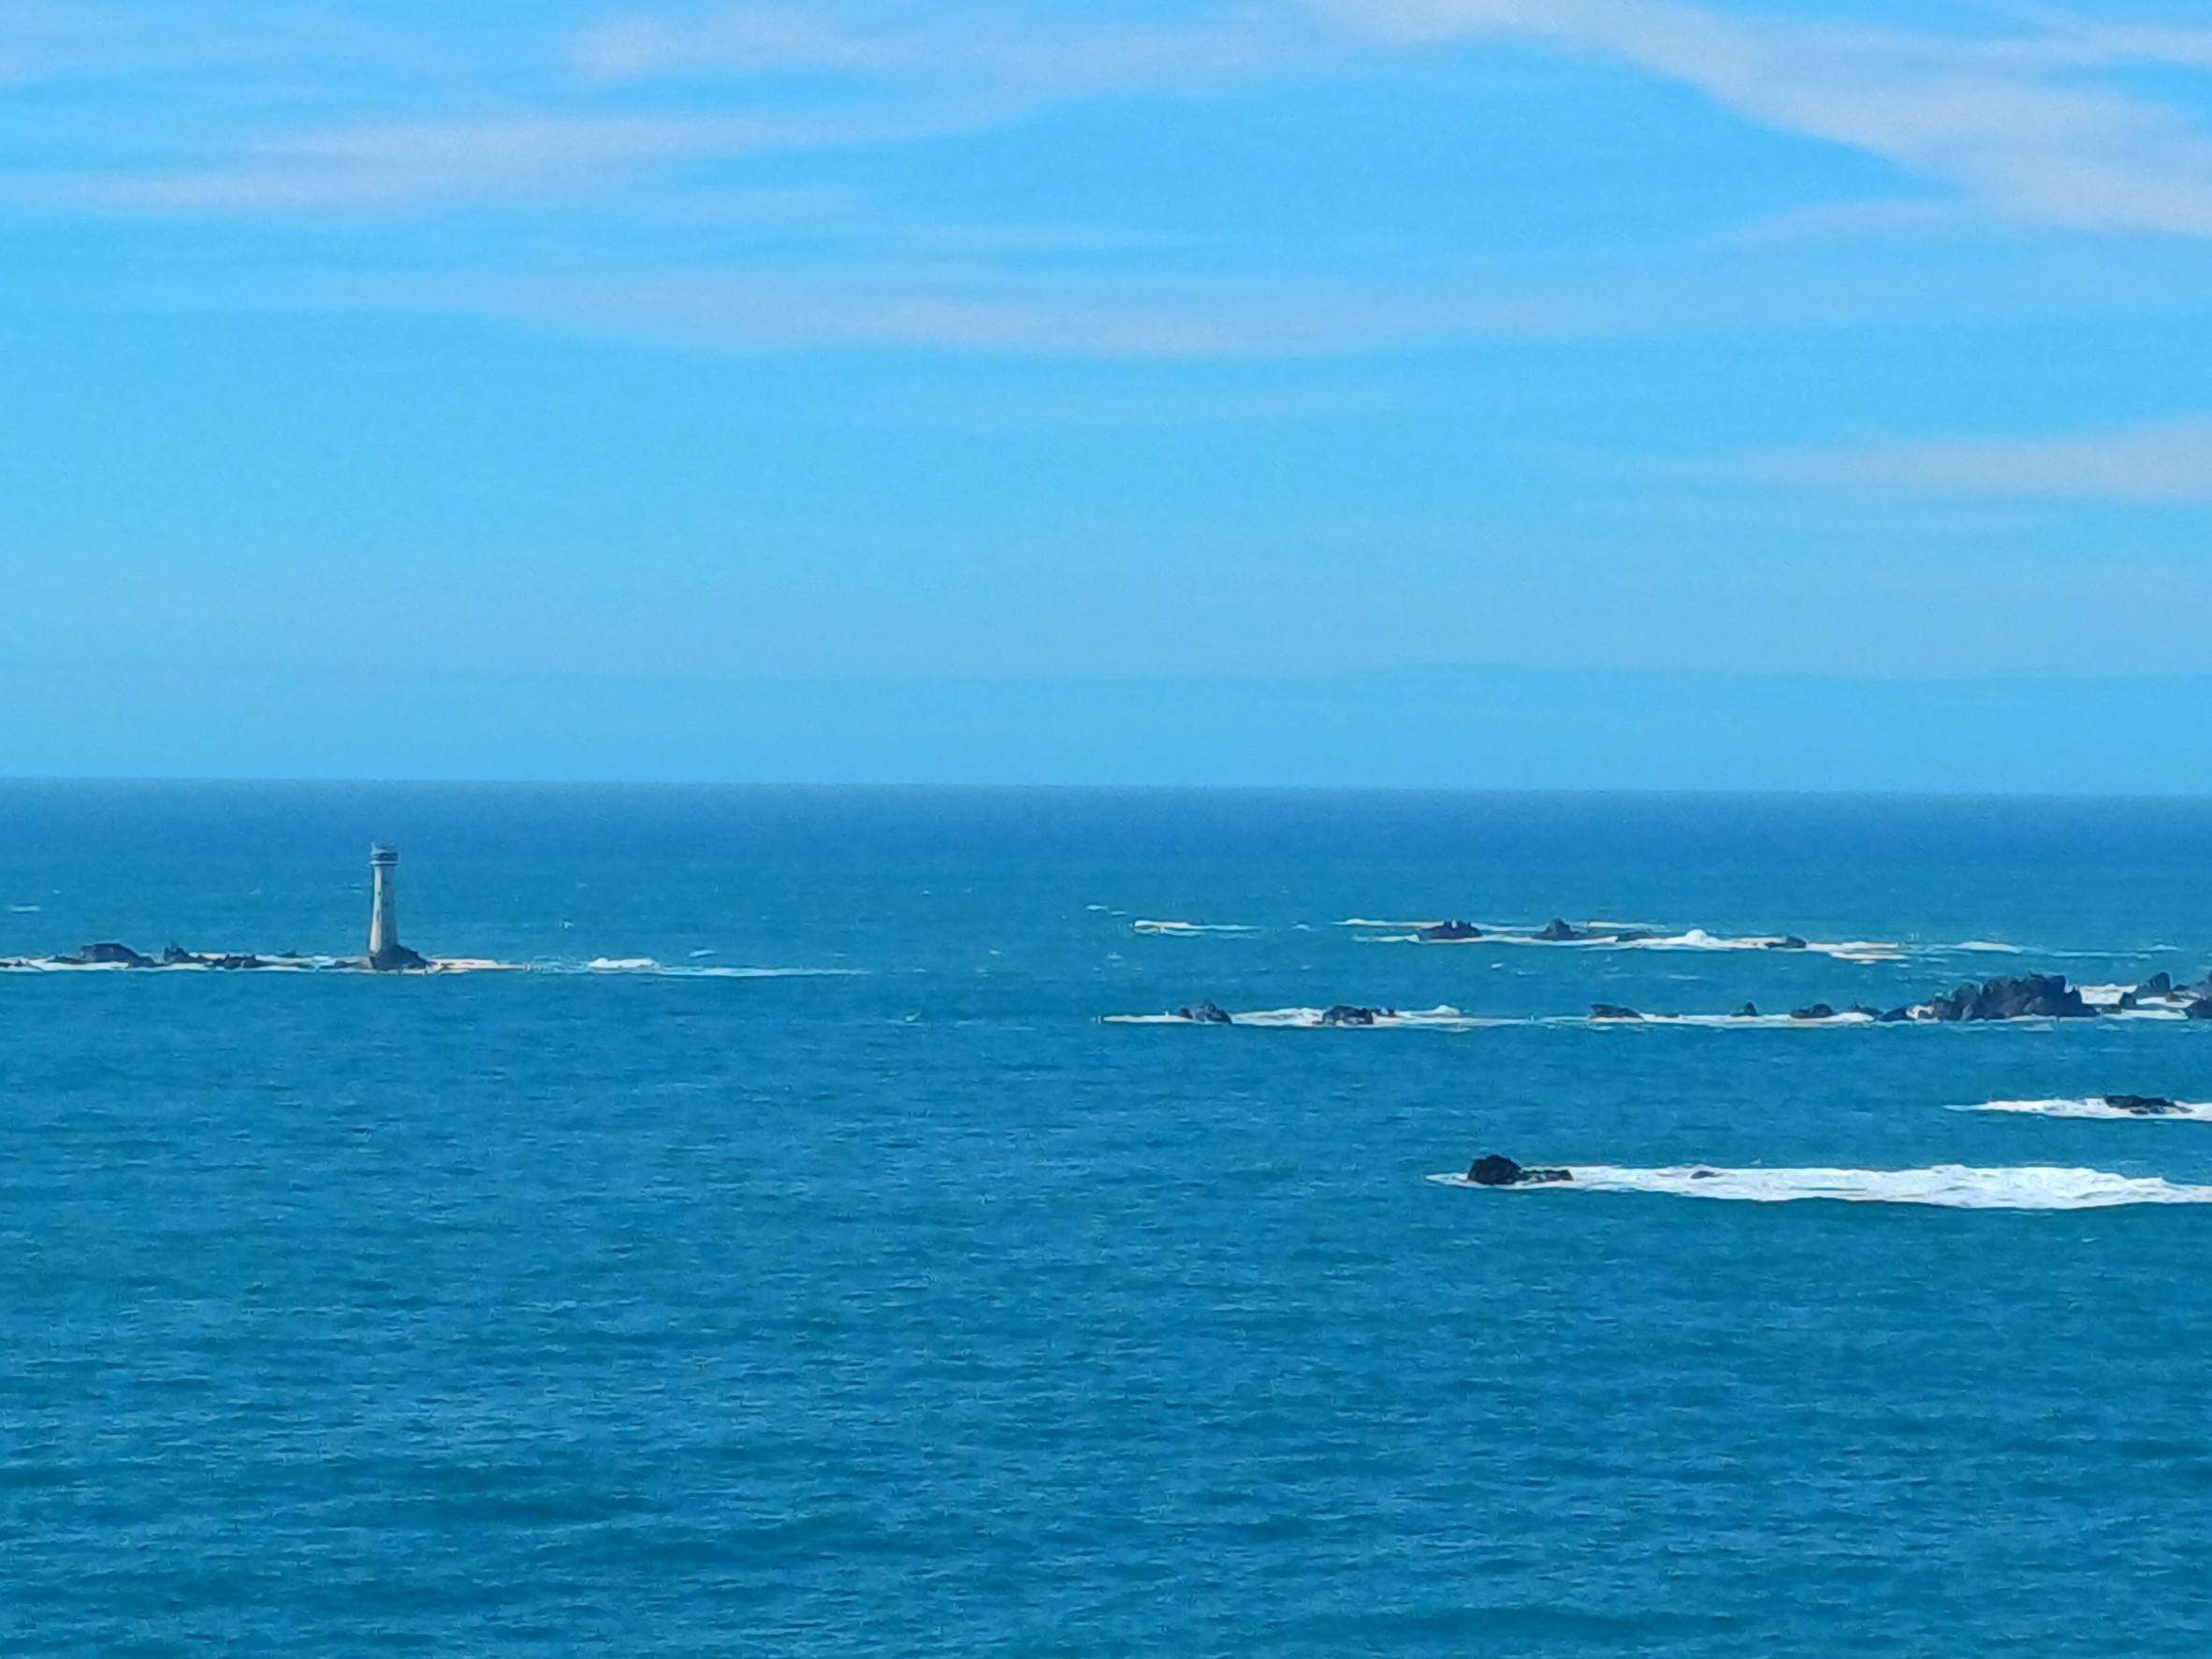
{"x": 386, "y": 952}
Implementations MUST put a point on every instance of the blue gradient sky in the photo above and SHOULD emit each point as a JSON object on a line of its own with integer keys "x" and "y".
{"x": 1037, "y": 346}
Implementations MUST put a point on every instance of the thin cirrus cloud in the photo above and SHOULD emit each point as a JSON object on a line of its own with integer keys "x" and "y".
{"x": 754, "y": 40}
{"x": 414, "y": 163}
{"x": 973, "y": 313}
{"x": 1993, "y": 120}
{"x": 2167, "y": 462}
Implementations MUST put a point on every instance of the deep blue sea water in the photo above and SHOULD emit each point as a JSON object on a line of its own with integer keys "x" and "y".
{"x": 914, "y": 1309}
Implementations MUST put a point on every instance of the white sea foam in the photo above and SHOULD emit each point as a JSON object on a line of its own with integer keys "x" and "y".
{"x": 2107, "y": 999}
{"x": 650, "y": 968}
{"x": 1188, "y": 929}
{"x": 1765, "y": 1022}
{"x": 1658, "y": 938}
{"x": 26, "y": 909}
{"x": 1946, "y": 1185}
{"x": 1311, "y": 1019}
{"x": 1697, "y": 938}
{"x": 1607, "y": 939}
{"x": 2185, "y": 1110}
{"x": 1452, "y": 1019}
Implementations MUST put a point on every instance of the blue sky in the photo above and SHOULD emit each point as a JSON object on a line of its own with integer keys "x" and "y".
{"x": 1014, "y": 345}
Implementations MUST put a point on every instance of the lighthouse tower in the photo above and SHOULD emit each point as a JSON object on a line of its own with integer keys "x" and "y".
{"x": 386, "y": 952}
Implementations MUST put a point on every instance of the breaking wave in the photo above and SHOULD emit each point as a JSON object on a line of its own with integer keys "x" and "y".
{"x": 1314, "y": 1018}
{"x": 2106, "y": 1001}
{"x": 1632, "y": 937}
{"x": 1646, "y": 936}
{"x": 2099, "y": 1108}
{"x": 1697, "y": 938}
{"x": 1952, "y": 1186}
{"x": 1188, "y": 929}
{"x": 1451, "y": 1019}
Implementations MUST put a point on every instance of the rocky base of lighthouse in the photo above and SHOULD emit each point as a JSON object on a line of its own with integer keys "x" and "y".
{"x": 397, "y": 959}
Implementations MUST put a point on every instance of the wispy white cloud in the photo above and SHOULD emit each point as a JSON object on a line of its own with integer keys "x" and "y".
{"x": 751, "y": 39}
{"x": 2166, "y": 463}
{"x": 412, "y": 163}
{"x": 2066, "y": 38}
{"x": 978, "y": 311}
{"x": 1976, "y": 115}
{"x": 43, "y": 40}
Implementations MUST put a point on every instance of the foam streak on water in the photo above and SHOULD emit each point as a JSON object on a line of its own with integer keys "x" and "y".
{"x": 1951, "y": 1186}
{"x": 2184, "y": 1111}
{"x": 1446, "y": 1018}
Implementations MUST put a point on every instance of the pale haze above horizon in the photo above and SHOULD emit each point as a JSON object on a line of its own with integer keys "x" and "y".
{"x": 1548, "y": 393}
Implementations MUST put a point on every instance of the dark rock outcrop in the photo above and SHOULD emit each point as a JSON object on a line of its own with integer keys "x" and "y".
{"x": 397, "y": 959}
{"x": 1612, "y": 1011}
{"x": 1818, "y": 1011}
{"x": 1502, "y": 1171}
{"x": 110, "y": 954}
{"x": 1894, "y": 1016}
{"x": 1750, "y": 1011}
{"x": 2031, "y": 997}
{"x": 1789, "y": 942}
{"x": 1205, "y": 1013}
{"x": 1556, "y": 931}
{"x": 2199, "y": 1009}
{"x": 2159, "y": 984}
{"x": 1344, "y": 1013}
{"x": 2143, "y": 1105}
{"x": 1451, "y": 932}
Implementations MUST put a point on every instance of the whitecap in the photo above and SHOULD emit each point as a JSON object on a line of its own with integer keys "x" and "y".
{"x": 1442, "y": 1018}
{"x": 1765, "y": 1022}
{"x": 649, "y": 968}
{"x": 1697, "y": 939}
{"x": 1188, "y": 929}
{"x": 2185, "y": 1110}
{"x": 2107, "y": 999}
{"x": 1952, "y": 1186}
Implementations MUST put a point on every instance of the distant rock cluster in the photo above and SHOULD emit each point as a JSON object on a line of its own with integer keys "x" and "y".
{"x": 2143, "y": 1105}
{"x": 2026, "y": 997}
{"x": 108, "y": 953}
{"x": 1494, "y": 1170}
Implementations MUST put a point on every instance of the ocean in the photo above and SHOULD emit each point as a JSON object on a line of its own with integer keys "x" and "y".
{"x": 806, "y": 1244}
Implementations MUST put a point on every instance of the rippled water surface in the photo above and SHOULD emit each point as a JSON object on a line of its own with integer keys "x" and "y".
{"x": 908, "y": 1303}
